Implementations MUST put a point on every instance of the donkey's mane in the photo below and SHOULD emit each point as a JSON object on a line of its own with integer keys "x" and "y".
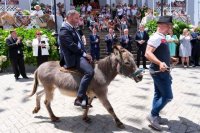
{"x": 106, "y": 63}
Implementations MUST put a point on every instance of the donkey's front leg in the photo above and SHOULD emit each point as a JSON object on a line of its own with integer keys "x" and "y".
{"x": 107, "y": 105}
{"x": 85, "y": 114}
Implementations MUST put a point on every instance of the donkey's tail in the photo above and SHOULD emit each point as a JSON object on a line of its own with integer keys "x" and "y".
{"x": 35, "y": 84}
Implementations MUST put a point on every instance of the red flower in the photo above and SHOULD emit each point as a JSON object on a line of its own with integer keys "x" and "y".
{"x": 163, "y": 41}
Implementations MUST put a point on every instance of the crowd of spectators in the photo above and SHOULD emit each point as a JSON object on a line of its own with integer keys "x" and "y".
{"x": 173, "y": 4}
{"x": 117, "y": 18}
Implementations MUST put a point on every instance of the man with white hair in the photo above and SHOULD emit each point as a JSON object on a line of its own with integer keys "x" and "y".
{"x": 37, "y": 12}
{"x": 126, "y": 40}
{"x": 141, "y": 38}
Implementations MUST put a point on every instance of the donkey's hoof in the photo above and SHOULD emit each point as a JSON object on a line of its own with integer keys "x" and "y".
{"x": 87, "y": 119}
{"x": 36, "y": 109}
{"x": 55, "y": 119}
{"x": 120, "y": 125}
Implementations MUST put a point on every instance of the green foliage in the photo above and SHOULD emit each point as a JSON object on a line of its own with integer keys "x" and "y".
{"x": 26, "y": 12}
{"x": 28, "y": 35}
{"x": 3, "y": 48}
{"x": 178, "y": 27}
{"x": 151, "y": 26}
{"x": 143, "y": 10}
{"x": 198, "y": 29}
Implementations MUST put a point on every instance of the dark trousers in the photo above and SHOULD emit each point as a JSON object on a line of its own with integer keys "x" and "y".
{"x": 41, "y": 59}
{"x": 109, "y": 48}
{"x": 195, "y": 54}
{"x": 88, "y": 73}
{"x": 141, "y": 53}
{"x": 95, "y": 53}
{"x": 18, "y": 66}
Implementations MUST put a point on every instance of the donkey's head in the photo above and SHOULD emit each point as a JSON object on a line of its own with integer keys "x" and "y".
{"x": 126, "y": 64}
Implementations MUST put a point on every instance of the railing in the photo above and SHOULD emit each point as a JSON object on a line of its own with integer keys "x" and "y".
{"x": 9, "y": 5}
{"x": 183, "y": 18}
{"x": 177, "y": 9}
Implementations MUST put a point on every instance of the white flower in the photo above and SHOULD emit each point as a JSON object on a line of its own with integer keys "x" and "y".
{"x": 3, "y": 58}
{"x": 44, "y": 36}
{"x": 28, "y": 43}
{"x": 175, "y": 26}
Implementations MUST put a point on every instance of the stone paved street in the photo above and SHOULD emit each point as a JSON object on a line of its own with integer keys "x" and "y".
{"x": 131, "y": 102}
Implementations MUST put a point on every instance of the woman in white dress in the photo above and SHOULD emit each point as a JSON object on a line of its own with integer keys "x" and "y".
{"x": 185, "y": 47}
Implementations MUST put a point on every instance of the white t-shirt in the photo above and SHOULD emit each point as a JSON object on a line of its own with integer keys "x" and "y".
{"x": 134, "y": 11}
{"x": 89, "y": 8}
{"x": 120, "y": 11}
{"x": 39, "y": 13}
{"x": 155, "y": 39}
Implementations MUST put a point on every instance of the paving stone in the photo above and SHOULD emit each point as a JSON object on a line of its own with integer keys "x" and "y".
{"x": 131, "y": 102}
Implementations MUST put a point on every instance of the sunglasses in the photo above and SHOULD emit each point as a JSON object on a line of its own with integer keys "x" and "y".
{"x": 39, "y": 34}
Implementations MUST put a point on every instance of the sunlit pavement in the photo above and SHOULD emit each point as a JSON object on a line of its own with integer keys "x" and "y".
{"x": 131, "y": 102}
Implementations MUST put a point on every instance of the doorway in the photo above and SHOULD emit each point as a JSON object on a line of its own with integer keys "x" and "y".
{"x": 80, "y": 2}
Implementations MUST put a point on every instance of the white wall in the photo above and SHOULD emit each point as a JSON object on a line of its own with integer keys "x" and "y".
{"x": 116, "y": 1}
{"x": 196, "y": 10}
{"x": 24, "y": 4}
{"x": 49, "y": 1}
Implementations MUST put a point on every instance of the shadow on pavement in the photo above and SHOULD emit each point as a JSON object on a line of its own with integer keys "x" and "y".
{"x": 6, "y": 98}
{"x": 99, "y": 123}
{"x": 3, "y": 73}
{"x": 2, "y": 110}
{"x": 144, "y": 88}
{"x": 140, "y": 96}
{"x": 9, "y": 89}
{"x": 190, "y": 94}
{"x": 25, "y": 80}
{"x": 140, "y": 107}
{"x": 183, "y": 126}
{"x": 195, "y": 105}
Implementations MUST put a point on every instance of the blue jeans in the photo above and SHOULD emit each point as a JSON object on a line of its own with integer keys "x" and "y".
{"x": 163, "y": 91}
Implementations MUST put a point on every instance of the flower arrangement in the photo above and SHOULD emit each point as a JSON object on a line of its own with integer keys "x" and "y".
{"x": 3, "y": 59}
{"x": 28, "y": 43}
{"x": 28, "y": 35}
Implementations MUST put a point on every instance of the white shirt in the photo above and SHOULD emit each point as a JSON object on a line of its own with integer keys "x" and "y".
{"x": 89, "y": 8}
{"x": 120, "y": 11}
{"x": 39, "y": 13}
{"x": 44, "y": 51}
{"x": 133, "y": 11}
{"x": 155, "y": 39}
{"x": 79, "y": 45}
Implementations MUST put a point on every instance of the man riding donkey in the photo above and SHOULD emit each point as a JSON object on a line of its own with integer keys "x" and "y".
{"x": 73, "y": 55}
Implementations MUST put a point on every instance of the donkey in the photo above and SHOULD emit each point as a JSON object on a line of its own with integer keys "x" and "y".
{"x": 120, "y": 61}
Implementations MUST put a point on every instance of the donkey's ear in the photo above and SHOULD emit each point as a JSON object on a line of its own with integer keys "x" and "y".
{"x": 116, "y": 49}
